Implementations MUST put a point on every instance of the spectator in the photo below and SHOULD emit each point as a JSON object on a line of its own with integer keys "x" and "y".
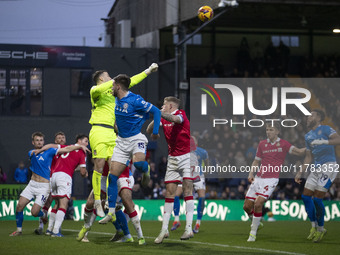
{"x": 3, "y": 176}
{"x": 21, "y": 173}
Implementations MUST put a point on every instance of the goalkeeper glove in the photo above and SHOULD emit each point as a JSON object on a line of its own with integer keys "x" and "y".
{"x": 319, "y": 142}
{"x": 152, "y": 68}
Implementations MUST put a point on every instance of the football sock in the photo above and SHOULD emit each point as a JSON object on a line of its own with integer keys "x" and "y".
{"x": 255, "y": 223}
{"x": 168, "y": 207}
{"x": 52, "y": 219}
{"x": 91, "y": 219}
{"x": 320, "y": 212}
{"x": 40, "y": 214}
{"x": 41, "y": 223}
{"x": 59, "y": 218}
{"x": 190, "y": 207}
{"x": 19, "y": 217}
{"x": 122, "y": 221}
{"x": 310, "y": 207}
{"x": 96, "y": 183}
{"x": 112, "y": 192}
{"x": 87, "y": 217}
{"x": 117, "y": 224}
{"x": 200, "y": 208}
{"x": 177, "y": 206}
{"x": 136, "y": 224}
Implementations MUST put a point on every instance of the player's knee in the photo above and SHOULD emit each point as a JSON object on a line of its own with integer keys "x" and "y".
{"x": 258, "y": 206}
{"x": 142, "y": 166}
{"x": 34, "y": 212}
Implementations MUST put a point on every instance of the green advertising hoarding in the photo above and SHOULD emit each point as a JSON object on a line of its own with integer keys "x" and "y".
{"x": 11, "y": 191}
{"x": 215, "y": 210}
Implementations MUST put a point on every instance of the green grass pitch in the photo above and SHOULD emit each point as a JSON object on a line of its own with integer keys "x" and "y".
{"x": 230, "y": 237}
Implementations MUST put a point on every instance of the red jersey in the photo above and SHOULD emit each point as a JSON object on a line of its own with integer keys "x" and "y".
{"x": 177, "y": 135}
{"x": 68, "y": 162}
{"x": 272, "y": 156}
{"x": 54, "y": 160}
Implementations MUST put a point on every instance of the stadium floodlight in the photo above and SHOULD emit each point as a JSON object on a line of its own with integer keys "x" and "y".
{"x": 336, "y": 30}
{"x": 230, "y": 3}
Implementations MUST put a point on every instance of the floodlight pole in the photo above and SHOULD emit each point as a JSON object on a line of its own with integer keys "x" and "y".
{"x": 179, "y": 44}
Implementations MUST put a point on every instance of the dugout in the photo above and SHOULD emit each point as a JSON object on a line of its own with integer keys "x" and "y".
{"x": 46, "y": 88}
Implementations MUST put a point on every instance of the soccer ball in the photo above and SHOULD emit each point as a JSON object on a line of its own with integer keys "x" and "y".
{"x": 205, "y": 13}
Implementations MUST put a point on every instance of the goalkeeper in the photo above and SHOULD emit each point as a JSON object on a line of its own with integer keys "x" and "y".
{"x": 102, "y": 135}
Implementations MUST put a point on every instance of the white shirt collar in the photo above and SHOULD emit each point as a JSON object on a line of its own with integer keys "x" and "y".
{"x": 277, "y": 140}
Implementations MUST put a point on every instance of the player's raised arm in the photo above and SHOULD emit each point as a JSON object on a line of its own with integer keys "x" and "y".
{"x": 44, "y": 148}
{"x": 307, "y": 161}
{"x": 97, "y": 90}
{"x": 73, "y": 148}
{"x": 141, "y": 76}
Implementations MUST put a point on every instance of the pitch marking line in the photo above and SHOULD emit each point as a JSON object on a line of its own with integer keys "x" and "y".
{"x": 204, "y": 243}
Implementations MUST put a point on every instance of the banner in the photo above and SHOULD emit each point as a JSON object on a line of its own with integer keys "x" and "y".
{"x": 215, "y": 210}
{"x": 45, "y": 56}
{"x": 11, "y": 191}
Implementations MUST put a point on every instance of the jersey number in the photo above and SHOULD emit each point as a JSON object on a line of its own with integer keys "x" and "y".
{"x": 141, "y": 146}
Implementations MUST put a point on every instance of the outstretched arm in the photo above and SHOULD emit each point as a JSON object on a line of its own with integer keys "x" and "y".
{"x": 44, "y": 148}
{"x": 73, "y": 148}
{"x": 141, "y": 76}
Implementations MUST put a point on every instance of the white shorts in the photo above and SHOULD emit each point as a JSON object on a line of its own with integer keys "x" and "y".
{"x": 322, "y": 179}
{"x": 178, "y": 167}
{"x": 127, "y": 147}
{"x": 263, "y": 187}
{"x": 125, "y": 183}
{"x": 201, "y": 184}
{"x": 61, "y": 185}
{"x": 38, "y": 191}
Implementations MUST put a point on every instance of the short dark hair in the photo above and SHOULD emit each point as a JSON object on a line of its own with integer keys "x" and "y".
{"x": 173, "y": 100}
{"x": 320, "y": 113}
{"x": 123, "y": 80}
{"x": 81, "y": 137}
{"x": 97, "y": 74}
{"x": 59, "y": 133}
{"x": 37, "y": 134}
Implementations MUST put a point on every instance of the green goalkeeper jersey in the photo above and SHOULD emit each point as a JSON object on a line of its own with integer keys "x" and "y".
{"x": 103, "y": 102}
